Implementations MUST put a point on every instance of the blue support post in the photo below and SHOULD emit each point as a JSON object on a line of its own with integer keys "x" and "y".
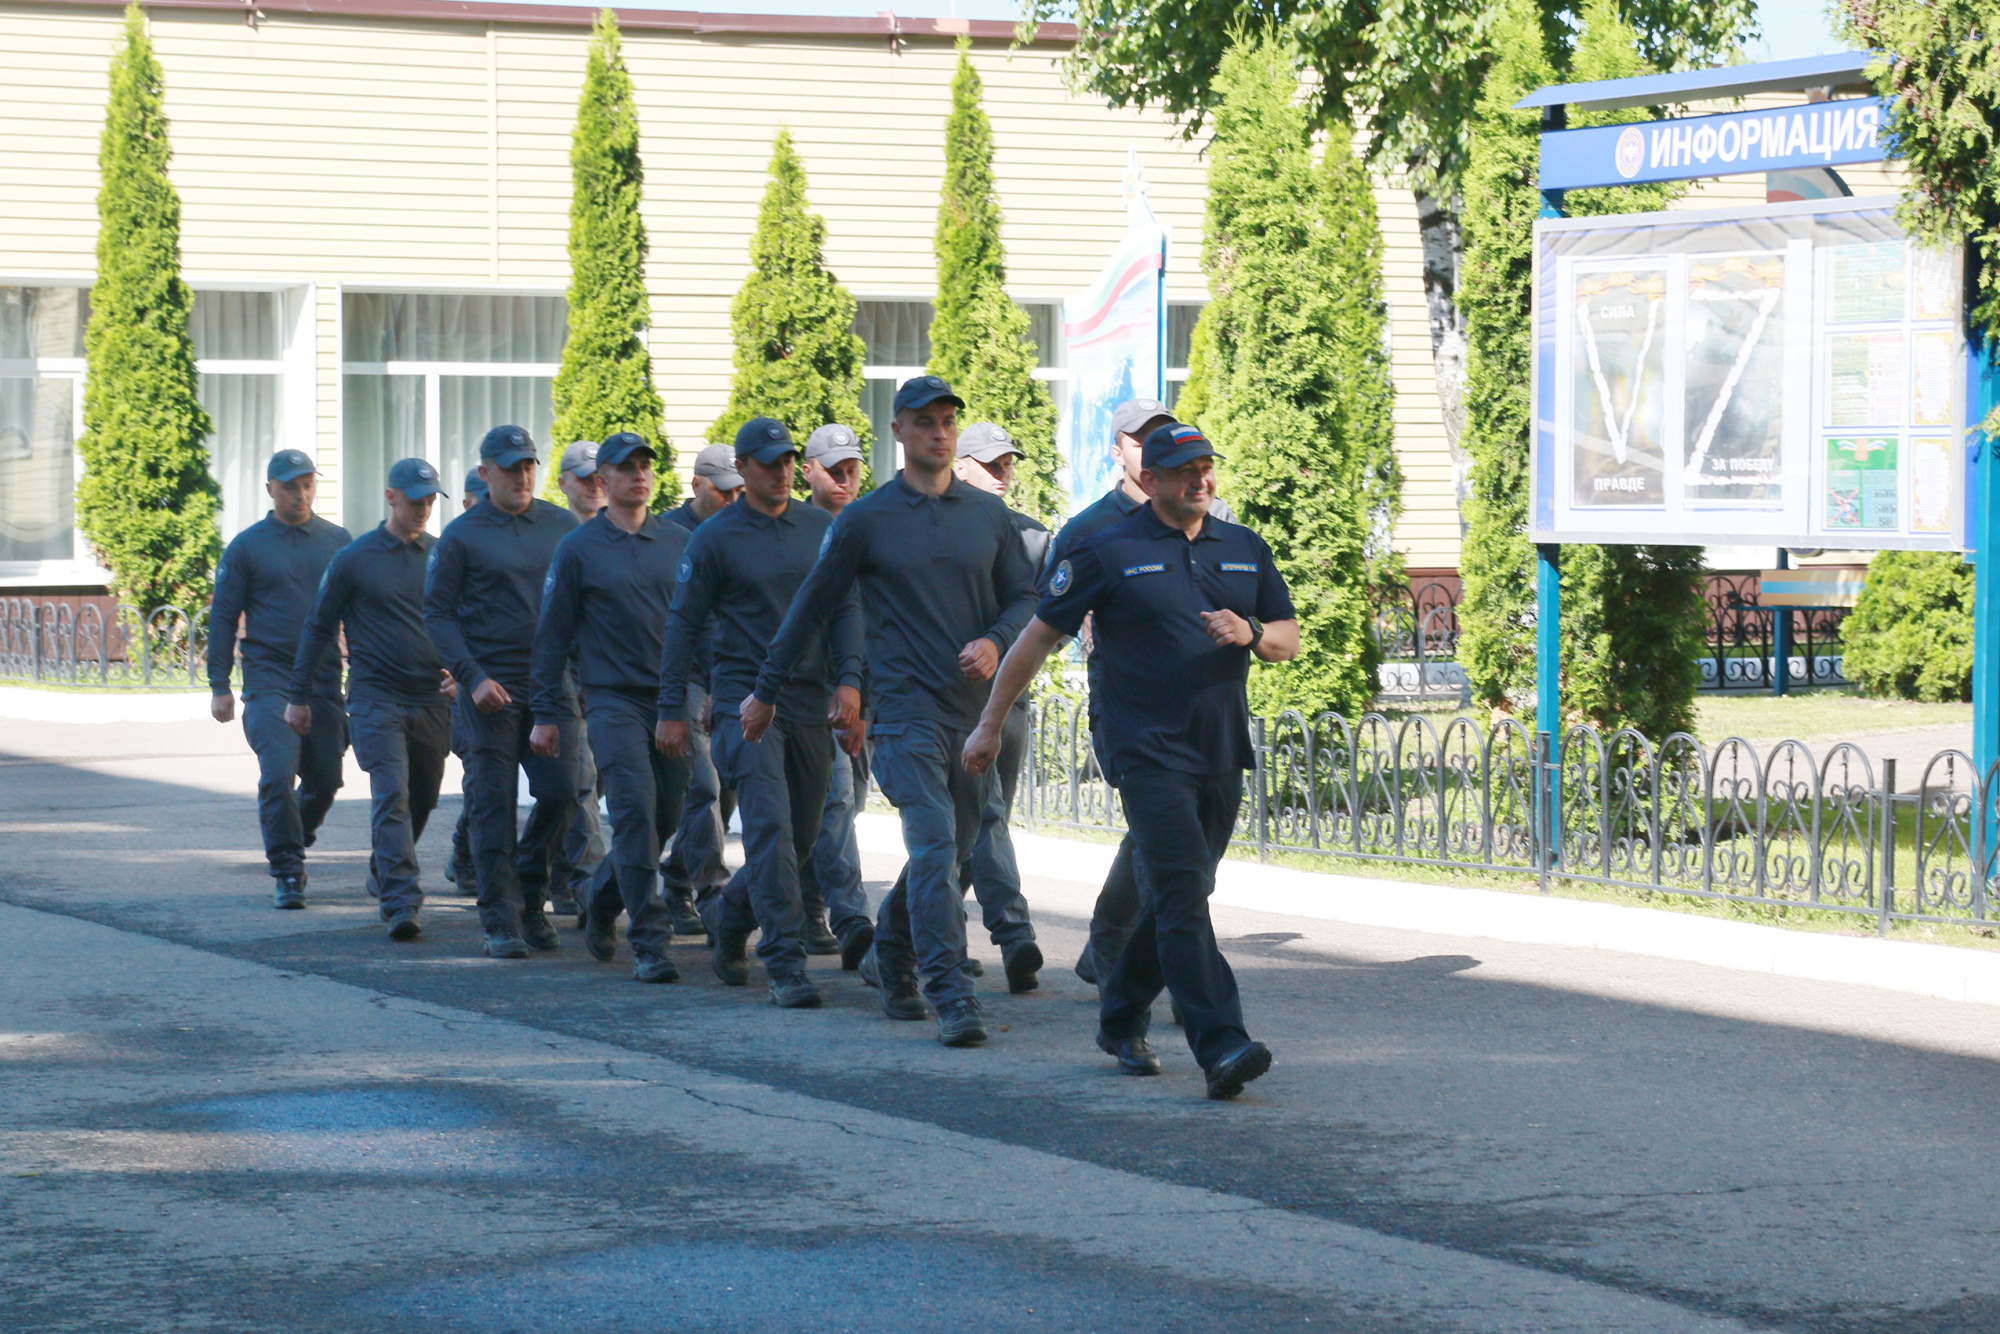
{"x": 1548, "y": 614}
{"x": 1985, "y": 379}
{"x": 1781, "y": 639}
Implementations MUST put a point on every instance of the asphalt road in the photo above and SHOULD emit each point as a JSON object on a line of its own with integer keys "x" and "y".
{"x": 218, "y": 1117}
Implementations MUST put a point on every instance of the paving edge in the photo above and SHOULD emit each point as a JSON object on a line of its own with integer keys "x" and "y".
{"x": 29, "y": 705}
{"x": 1944, "y": 971}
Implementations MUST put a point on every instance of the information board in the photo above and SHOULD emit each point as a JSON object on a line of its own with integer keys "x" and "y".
{"x": 1785, "y": 374}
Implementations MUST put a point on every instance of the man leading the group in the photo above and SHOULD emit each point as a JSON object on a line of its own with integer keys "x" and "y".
{"x": 397, "y": 708}
{"x": 605, "y": 602}
{"x": 945, "y": 588}
{"x": 269, "y": 576}
{"x": 743, "y": 567}
{"x": 482, "y": 600}
{"x": 1180, "y": 604}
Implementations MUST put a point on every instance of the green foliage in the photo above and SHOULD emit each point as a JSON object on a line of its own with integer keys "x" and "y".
{"x": 980, "y": 339}
{"x": 147, "y": 501}
{"x": 797, "y": 356}
{"x": 606, "y": 381}
{"x": 1910, "y": 633}
{"x": 1289, "y": 378}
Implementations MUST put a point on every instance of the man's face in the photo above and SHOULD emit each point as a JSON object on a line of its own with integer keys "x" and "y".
{"x": 584, "y": 494}
{"x": 929, "y": 435}
{"x": 293, "y": 500}
{"x": 1130, "y": 450}
{"x": 629, "y": 483}
{"x": 512, "y": 489}
{"x": 995, "y": 478}
{"x": 410, "y": 515}
{"x": 771, "y": 483}
{"x": 709, "y": 498}
{"x": 834, "y": 488}
{"x": 1184, "y": 493}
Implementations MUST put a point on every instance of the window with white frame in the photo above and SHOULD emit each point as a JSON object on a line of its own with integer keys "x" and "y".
{"x": 1181, "y": 318}
{"x": 240, "y": 343}
{"x": 41, "y": 411}
{"x": 427, "y": 374}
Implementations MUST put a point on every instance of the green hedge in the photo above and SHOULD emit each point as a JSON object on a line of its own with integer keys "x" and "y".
{"x": 1910, "y": 634}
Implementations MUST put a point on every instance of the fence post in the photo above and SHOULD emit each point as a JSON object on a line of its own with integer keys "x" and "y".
{"x": 1885, "y": 896}
{"x": 35, "y": 632}
{"x": 1544, "y": 817}
{"x": 1260, "y": 737}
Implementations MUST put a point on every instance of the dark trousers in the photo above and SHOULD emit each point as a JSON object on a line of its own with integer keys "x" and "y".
{"x": 402, "y": 746}
{"x": 644, "y": 790}
{"x": 695, "y": 863}
{"x": 1180, "y": 827}
{"x": 583, "y": 845}
{"x": 830, "y": 879}
{"x": 513, "y": 868}
{"x": 296, "y": 775}
{"x": 1117, "y": 909}
{"x": 921, "y": 924}
{"x": 991, "y": 873}
{"x": 780, "y": 787}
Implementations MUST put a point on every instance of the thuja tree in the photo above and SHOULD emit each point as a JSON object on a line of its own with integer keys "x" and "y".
{"x": 1290, "y": 380}
{"x": 1632, "y": 616}
{"x": 147, "y": 502}
{"x": 980, "y": 339}
{"x": 606, "y": 381}
{"x": 797, "y": 356}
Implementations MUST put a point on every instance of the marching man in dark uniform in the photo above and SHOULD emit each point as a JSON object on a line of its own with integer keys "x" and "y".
{"x": 945, "y": 588}
{"x": 1181, "y": 601}
{"x": 482, "y": 599}
{"x": 269, "y": 577}
{"x": 742, "y": 569}
{"x": 606, "y": 601}
{"x": 583, "y": 846}
{"x": 397, "y": 708}
{"x": 459, "y": 870}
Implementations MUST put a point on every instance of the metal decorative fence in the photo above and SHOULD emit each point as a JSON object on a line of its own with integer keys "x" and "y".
{"x": 1742, "y": 637}
{"x": 1416, "y": 628}
{"x": 1778, "y": 828}
{"x": 59, "y": 643}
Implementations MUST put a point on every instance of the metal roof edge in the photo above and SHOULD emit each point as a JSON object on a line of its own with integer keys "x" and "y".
{"x": 1843, "y": 70}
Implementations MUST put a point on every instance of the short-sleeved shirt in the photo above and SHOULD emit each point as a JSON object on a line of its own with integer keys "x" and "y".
{"x": 1169, "y": 696}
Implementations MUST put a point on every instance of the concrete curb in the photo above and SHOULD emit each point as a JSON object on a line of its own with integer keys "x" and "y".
{"x": 28, "y": 705}
{"x": 1944, "y": 971}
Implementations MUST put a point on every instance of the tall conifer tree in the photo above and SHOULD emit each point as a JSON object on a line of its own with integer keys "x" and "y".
{"x": 797, "y": 356}
{"x": 980, "y": 339}
{"x": 147, "y": 501}
{"x": 1289, "y": 377}
{"x": 606, "y": 381}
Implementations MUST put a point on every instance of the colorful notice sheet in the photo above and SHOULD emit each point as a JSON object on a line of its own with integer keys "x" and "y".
{"x": 1865, "y": 379}
{"x": 1618, "y": 389}
{"x": 1867, "y": 283}
{"x": 1735, "y": 377}
{"x": 1934, "y": 279}
{"x": 1861, "y": 482}
{"x": 1930, "y": 484}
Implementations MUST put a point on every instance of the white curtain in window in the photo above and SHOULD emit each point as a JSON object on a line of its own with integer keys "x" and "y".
{"x": 245, "y": 410}
{"x": 40, "y": 322}
{"x": 238, "y": 326}
{"x": 437, "y": 326}
{"x": 1045, "y": 327}
{"x": 878, "y": 400}
{"x": 471, "y": 405}
{"x": 37, "y": 468}
{"x": 382, "y": 421}
{"x": 1181, "y": 319}
{"x": 895, "y": 333}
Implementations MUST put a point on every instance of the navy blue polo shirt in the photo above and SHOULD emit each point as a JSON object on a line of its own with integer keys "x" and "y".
{"x": 270, "y": 575}
{"x": 936, "y": 573}
{"x": 737, "y": 581}
{"x": 1169, "y": 696}
{"x": 605, "y": 599}
{"x": 375, "y": 587}
{"x": 483, "y": 596}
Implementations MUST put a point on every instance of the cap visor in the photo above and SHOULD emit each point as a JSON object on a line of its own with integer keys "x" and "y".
{"x": 1176, "y": 459}
{"x": 838, "y": 454}
{"x": 292, "y": 474}
{"x": 945, "y": 396}
{"x": 511, "y": 458}
{"x": 422, "y": 491}
{"x": 768, "y": 454}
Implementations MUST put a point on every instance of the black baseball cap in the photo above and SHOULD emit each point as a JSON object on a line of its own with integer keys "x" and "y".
{"x": 507, "y": 446}
{"x": 475, "y": 485}
{"x": 287, "y": 464}
{"x": 622, "y": 446}
{"x": 923, "y": 390}
{"x": 415, "y": 478}
{"x": 1174, "y": 444}
{"x": 764, "y": 439}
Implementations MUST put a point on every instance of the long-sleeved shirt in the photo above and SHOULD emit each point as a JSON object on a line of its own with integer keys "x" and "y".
{"x": 936, "y": 573}
{"x": 606, "y": 600}
{"x": 701, "y": 665}
{"x": 742, "y": 569}
{"x": 483, "y": 595}
{"x": 375, "y": 586}
{"x": 269, "y": 575}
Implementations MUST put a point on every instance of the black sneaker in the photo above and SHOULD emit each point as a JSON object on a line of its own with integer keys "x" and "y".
{"x": 902, "y": 1000}
{"x": 857, "y": 937}
{"x": 960, "y": 1024}
{"x": 505, "y": 945}
{"x": 687, "y": 921}
{"x": 654, "y": 968}
{"x": 539, "y": 932}
{"x": 794, "y": 991}
{"x": 972, "y": 967}
{"x": 726, "y": 954}
{"x": 600, "y": 937}
{"x": 870, "y": 968}
{"x": 403, "y": 925}
{"x": 467, "y": 881}
{"x": 563, "y": 904}
{"x": 818, "y": 936}
{"x": 288, "y": 891}
{"x": 1021, "y": 961}
{"x": 1134, "y": 1055}
{"x": 1227, "y": 1076}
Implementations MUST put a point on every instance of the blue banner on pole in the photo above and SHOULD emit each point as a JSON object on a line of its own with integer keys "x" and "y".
{"x": 1819, "y": 134}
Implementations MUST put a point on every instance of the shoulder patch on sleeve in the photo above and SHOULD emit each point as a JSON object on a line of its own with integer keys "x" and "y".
{"x": 1060, "y": 581}
{"x": 687, "y": 569}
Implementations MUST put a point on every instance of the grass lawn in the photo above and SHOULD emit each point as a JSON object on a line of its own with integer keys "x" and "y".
{"x": 1817, "y": 715}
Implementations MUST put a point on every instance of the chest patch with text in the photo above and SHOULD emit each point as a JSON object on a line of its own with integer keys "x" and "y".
{"x": 1131, "y": 570}
{"x": 1239, "y": 567}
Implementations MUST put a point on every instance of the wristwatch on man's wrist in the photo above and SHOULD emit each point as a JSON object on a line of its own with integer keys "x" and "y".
{"x": 1256, "y": 631}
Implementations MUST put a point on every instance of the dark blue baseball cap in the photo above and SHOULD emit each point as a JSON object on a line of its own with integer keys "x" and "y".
{"x": 622, "y": 446}
{"x": 507, "y": 446}
{"x": 1174, "y": 444}
{"x": 287, "y": 464}
{"x": 764, "y": 439}
{"x": 414, "y": 478}
{"x": 475, "y": 485}
{"x": 923, "y": 390}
